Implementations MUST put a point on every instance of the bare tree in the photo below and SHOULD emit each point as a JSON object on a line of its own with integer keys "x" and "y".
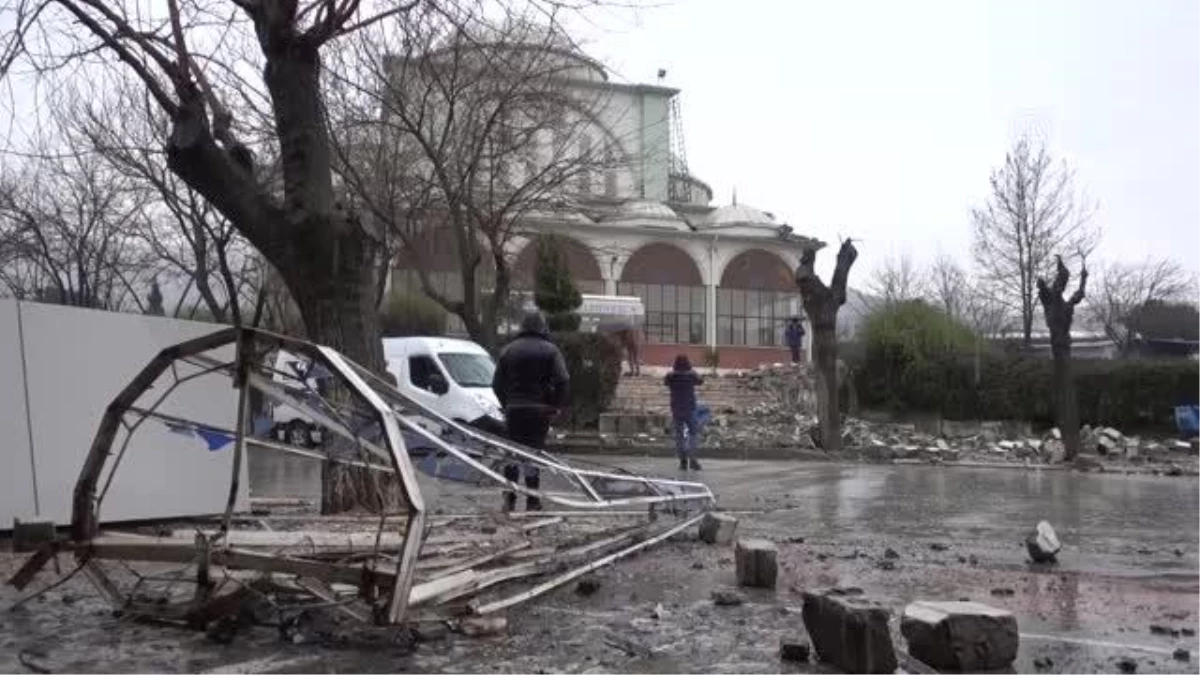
{"x": 897, "y": 279}
{"x": 947, "y": 284}
{"x": 467, "y": 129}
{"x": 67, "y": 234}
{"x": 232, "y": 79}
{"x": 1060, "y": 313}
{"x": 1125, "y": 288}
{"x": 197, "y": 247}
{"x": 821, "y": 304}
{"x": 1032, "y": 215}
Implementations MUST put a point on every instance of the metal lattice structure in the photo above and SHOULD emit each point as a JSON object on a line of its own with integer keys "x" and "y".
{"x": 400, "y": 566}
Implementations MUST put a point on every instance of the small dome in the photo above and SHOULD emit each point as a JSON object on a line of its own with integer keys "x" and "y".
{"x": 560, "y": 214}
{"x": 637, "y": 209}
{"x": 737, "y": 214}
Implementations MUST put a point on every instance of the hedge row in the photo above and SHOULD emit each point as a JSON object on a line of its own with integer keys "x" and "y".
{"x": 594, "y": 362}
{"x": 1130, "y": 395}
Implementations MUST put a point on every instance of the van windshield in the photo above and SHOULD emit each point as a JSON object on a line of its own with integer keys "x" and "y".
{"x": 469, "y": 370}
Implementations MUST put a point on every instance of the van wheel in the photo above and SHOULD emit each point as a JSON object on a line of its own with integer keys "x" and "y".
{"x": 297, "y": 433}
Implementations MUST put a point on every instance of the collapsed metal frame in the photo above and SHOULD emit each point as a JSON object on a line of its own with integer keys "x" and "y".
{"x": 389, "y": 411}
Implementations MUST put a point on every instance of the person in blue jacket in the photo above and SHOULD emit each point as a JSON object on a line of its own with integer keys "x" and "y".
{"x": 682, "y": 382}
{"x": 793, "y": 335}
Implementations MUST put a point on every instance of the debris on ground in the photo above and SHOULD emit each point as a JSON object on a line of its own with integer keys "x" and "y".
{"x": 891, "y": 554}
{"x": 357, "y": 575}
{"x": 962, "y": 636}
{"x": 726, "y": 597}
{"x": 1003, "y": 592}
{"x": 849, "y": 631}
{"x": 777, "y": 409}
{"x": 1182, "y": 654}
{"x": 718, "y": 528}
{"x": 1127, "y": 665}
{"x": 1043, "y": 544}
{"x": 1043, "y": 663}
{"x": 757, "y": 563}
{"x": 795, "y": 651}
{"x": 587, "y": 586}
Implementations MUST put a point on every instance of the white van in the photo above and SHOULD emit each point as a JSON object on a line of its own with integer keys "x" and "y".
{"x": 451, "y": 376}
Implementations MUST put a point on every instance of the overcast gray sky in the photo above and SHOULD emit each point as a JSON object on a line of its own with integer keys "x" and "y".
{"x": 882, "y": 120}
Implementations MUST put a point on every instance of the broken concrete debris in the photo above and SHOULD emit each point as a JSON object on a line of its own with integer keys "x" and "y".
{"x": 727, "y": 597}
{"x": 718, "y": 528}
{"x": 587, "y": 586}
{"x": 410, "y": 565}
{"x": 1043, "y": 544}
{"x": 962, "y": 636}
{"x": 849, "y": 631}
{"x": 795, "y": 651}
{"x": 757, "y": 563}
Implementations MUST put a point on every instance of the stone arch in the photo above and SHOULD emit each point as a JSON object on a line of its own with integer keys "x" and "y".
{"x": 582, "y": 263}
{"x": 660, "y": 263}
{"x": 758, "y": 269}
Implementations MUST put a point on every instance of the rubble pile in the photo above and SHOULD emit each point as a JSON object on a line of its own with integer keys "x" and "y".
{"x": 786, "y": 417}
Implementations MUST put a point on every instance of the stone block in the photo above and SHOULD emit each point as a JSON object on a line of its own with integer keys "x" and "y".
{"x": 718, "y": 528}
{"x": 960, "y": 636}
{"x": 1042, "y": 543}
{"x": 849, "y": 632}
{"x": 757, "y": 563}
{"x": 28, "y": 536}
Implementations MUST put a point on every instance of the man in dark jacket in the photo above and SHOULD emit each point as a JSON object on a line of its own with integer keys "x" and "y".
{"x": 682, "y": 382}
{"x": 793, "y": 335}
{"x": 531, "y": 384}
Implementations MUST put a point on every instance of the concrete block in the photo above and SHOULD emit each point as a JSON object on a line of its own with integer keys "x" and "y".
{"x": 28, "y": 536}
{"x": 849, "y": 632}
{"x": 960, "y": 636}
{"x": 718, "y": 528}
{"x": 757, "y": 563}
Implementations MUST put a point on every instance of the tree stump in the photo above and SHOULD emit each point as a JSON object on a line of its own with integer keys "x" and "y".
{"x": 757, "y": 563}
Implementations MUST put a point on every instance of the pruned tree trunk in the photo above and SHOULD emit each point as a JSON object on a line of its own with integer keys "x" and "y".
{"x": 821, "y": 303}
{"x": 1060, "y": 314}
{"x": 828, "y": 410}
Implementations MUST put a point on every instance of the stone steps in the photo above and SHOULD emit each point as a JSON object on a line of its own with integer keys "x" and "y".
{"x": 647, "y": 393}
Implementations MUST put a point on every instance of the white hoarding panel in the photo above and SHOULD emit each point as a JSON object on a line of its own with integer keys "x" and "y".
{"x": 77, "y": 362}
{"x": 17, "y": 499}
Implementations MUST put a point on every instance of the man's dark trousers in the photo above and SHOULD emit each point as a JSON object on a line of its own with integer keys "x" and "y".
{"x": 527, "y": 426}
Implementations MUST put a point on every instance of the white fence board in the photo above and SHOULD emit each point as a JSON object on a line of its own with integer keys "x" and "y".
{"x": 77, "y": 360}
{"x": 16, "y": 479}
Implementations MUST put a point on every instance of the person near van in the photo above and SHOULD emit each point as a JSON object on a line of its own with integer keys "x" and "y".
{"x": 682, "y": 382}
{"x": 793, "y": 335}
{"x": 531, "y": 383}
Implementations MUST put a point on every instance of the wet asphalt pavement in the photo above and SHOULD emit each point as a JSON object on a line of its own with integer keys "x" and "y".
{"x": 1129, "y": 561}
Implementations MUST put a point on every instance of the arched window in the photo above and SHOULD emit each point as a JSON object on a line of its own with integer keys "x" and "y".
{"x": 670, "y": 286}
{"x": 585, "y": 271}
{"x": 755, "y": 298}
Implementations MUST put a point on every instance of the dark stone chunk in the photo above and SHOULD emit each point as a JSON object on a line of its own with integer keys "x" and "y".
{"x": 850, "y": 633}
{"x": 891, "y": 554}
{"x": 796, "y": 651}
{"x": 587, "y": 587}
{"x": 960, "y": 636}
{"x": 938, "y": 547}
{"x": 1003, "y": 592}
{"x": 727, "y": 598}
{"x": 1127, "y": 665}
{"x": 1182, "y": 654}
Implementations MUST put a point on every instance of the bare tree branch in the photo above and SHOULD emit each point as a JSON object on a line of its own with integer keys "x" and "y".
{"x": 1032, "y": 215}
